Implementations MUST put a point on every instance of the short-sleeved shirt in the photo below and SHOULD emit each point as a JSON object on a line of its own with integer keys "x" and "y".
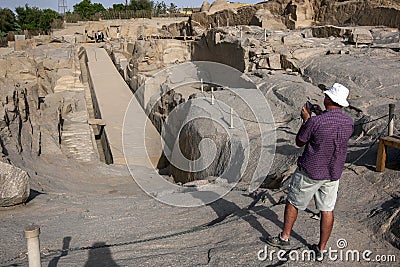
{"x": 326, "y": 137}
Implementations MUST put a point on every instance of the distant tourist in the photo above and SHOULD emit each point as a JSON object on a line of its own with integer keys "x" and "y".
{"x": 319, "y": 168}
{"x": 100, "y": 36}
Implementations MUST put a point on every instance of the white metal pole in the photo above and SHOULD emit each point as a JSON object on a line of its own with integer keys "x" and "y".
{"x": 231, "y": 120}
{"x": 391, "y": 119}
{"x": 212, "y": 95}
{"x": 202, "y": 86}
{"x": 32, "y": 239}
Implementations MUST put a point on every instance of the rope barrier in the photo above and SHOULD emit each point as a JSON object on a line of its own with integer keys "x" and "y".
{"x": 21, "y": 256}
{"x": 363, "y": 123}
{"x": 372, "y": 144}
{"x": 246, "y": 119}
{"x": 291, "y": 119}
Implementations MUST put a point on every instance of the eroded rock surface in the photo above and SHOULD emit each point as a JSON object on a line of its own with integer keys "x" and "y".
{"x": 288, "y": 14}
{"x": 43, "y": 112}
{"x": 14, "y": 185}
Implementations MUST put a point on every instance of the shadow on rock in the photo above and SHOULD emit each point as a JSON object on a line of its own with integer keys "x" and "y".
{"x": 100, "y": 255}
{"x": 64, "y": 252}
{"x": 225, "y": 209}
{"x": 270, "y": 215}
{"x": 33, "y": 194}
{"x": 287, "y": 150}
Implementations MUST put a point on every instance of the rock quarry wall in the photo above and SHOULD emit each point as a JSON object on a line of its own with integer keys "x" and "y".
{"x": 384, "y": 13}
{"x": 43, "y": 112}
{"x": 288, "y": 14}
{"x": 214, "y": 47}
{"x": 144, "y": 58}
{"x": 22, "y": 100}
{"x": 386, "y": 16}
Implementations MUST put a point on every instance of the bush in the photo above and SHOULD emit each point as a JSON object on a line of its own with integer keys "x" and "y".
{"x": 57, "y": 24}
{"x": 72, "y": 17}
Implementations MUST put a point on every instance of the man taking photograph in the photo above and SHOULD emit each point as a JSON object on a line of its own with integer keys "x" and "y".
{"x": 325, "y": 137}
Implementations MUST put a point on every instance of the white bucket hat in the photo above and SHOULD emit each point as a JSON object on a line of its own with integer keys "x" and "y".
{"x": 338, "y": 93}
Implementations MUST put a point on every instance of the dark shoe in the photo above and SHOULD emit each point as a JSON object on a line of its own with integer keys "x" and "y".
{"x": 319, "y": 255}
{"x": 277, "y": 242}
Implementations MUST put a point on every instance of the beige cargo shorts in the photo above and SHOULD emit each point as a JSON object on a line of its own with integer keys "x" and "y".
{"x": 302, "y": 189}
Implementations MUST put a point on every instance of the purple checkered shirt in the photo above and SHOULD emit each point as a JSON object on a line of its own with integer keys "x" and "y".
{"x": 326, "y": 137}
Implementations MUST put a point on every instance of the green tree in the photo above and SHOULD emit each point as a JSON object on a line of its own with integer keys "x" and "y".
{"x": 141, "y": 5}
{"x": 172, "y": 8}
{"x": 98, "y": 7}
{"x": 28, "y": 17}
{"x": 7, "y": 20}
{"x": 33, "y": 18}
{"x": 118, "y": 7}
{"x": 86, "y": 9}
{"x": 46, "y": 19}
{"x": 160, "y": 8}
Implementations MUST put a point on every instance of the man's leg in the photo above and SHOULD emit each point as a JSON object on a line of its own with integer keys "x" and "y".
{"x": 326, "y": 226}
{"x": 325, "y": 200}
{"x": 301, "y": 190}
{"x": 289, "y": 219}
{"x": 282, "y": 240}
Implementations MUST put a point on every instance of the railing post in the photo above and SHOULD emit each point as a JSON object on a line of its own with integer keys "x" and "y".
{"x": 31, "y": 234}
{"x": 391, "y": 119}
{"x": 231, "y": 120}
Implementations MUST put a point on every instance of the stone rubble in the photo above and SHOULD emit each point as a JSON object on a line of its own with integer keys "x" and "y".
{"x": 14, "y": 185}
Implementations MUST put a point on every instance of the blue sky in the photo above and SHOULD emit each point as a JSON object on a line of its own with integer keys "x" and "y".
{"x": 53, "y": 4}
